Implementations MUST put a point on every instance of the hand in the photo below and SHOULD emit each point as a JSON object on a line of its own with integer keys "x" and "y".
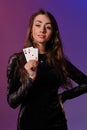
{"x": 31, "y": 67}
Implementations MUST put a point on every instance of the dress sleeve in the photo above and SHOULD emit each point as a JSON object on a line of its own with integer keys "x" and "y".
{"x": 73, "y": 93}
{"x": 17, "y": 92}
{"x": 75, "y": 74}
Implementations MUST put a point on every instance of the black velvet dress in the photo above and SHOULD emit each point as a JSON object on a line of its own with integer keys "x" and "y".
{"x": 40, "y": 107}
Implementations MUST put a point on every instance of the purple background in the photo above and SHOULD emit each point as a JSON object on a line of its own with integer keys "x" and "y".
{"x": 72, "y": 19}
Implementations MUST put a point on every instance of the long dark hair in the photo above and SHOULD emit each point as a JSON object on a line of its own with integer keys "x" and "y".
{"x": 54, "y": 49}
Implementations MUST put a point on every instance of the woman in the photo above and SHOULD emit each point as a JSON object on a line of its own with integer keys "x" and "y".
{"x": 34, "y": 84}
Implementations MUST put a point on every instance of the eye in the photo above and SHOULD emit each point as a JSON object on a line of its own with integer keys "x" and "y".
{"x": 49, "y": 27}
{"x": 37, "y": 25}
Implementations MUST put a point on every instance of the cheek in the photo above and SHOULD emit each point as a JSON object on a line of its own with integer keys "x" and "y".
{"x": 33, "y": 32}
{"x": 49, "y": 35}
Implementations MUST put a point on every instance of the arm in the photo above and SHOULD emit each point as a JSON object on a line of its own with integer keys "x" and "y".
{"x": 75, "y": 74}
{"x": 73, "y": 93}
{"x": 17, "y": 92}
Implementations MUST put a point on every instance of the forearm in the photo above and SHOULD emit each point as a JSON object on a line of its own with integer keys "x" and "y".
{"x": 75, "y": 74}
{"x": 73, "y": 93}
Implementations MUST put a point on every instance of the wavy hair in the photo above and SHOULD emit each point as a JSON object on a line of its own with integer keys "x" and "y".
{"x": 54, "y": 49}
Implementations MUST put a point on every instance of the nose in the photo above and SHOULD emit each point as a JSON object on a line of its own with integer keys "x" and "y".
{"x": 43, "y": 29}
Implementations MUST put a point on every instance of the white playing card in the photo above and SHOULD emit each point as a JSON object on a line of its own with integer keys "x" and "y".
{"x": 34, "y": 53}
{"x": 27, "y": 53}
{"x": 31, "y": 53}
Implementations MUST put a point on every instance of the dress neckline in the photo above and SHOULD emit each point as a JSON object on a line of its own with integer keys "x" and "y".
{"x": 42, "y": 58}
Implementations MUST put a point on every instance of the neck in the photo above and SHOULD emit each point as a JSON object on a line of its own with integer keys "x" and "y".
{"x": 41, "y": 48}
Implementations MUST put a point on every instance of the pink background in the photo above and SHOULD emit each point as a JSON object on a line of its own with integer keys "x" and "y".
{"x": 72, "y": 19}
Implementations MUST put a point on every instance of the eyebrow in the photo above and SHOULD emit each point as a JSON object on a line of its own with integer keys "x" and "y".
{"x": 41, "y": 22}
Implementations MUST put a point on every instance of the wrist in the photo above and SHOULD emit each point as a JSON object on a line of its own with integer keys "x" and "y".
{"x": 31, "y": 75}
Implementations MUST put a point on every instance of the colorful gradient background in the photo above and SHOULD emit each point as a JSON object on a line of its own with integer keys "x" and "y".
{"x": 71, "y": 16}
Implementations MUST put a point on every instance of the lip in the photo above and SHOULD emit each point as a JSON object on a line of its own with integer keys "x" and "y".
{"x": 41, "y": 36}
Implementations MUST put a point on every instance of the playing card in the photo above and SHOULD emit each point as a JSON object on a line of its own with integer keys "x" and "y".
{"x": 34, "y": 53}
{"x": 31, "y": 53}
{"x": 27, "y": 53}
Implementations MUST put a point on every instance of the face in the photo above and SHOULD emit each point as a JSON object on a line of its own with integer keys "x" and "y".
{"x": 42, "y": 29}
